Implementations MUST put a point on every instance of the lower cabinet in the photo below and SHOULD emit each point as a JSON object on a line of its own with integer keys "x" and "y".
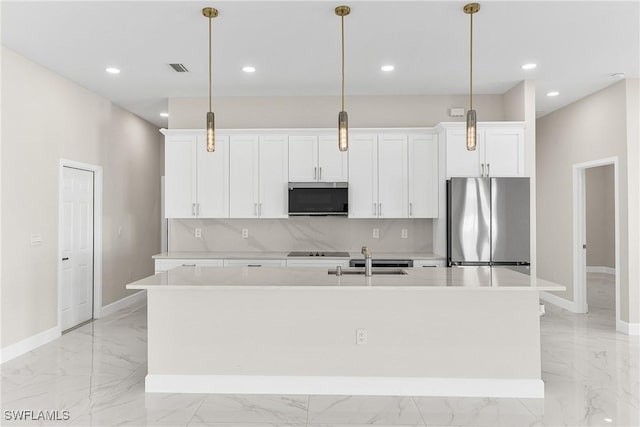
{"x": 418, "y": 263}
{"x": 320, "y": 263}
{"x": 255, "y": 263}
{"x": 167, "y": 264}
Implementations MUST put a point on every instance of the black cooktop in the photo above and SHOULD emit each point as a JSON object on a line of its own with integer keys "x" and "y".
{"x": 319, "y": 254}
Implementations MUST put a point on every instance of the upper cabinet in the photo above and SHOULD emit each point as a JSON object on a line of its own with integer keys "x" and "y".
{"x": 196, "y": 181}
{"x": 393, "y": 176}
{"x": 314, "y": 158}
{"x": 258, "y": 176}
{"x": 422, "y": 156}
{"x": 499, "y": 152}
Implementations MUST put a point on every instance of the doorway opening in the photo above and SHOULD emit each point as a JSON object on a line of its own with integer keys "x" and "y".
{"x": 596, "y": 268}
{"x": 79, "y": 244}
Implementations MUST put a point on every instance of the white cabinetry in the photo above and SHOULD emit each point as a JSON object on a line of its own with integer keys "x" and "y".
{"x": 319, "y": 263}
{"x": 196, "y": 181}
{"x": 423, "y": 176}
{"x": 258, "y": 176}
{"x": 316, "y": 159}
{"x": 255, "y": 263}
{"x": 393, "y": 176}
{"x": 499, "y": 152}
{"x": 169, "y": 263}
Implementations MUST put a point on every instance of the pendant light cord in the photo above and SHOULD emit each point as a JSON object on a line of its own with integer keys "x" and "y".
{"x": 471, "y": 64}
{"x": 342, "y": 20}
{"x": 210, "y": 68}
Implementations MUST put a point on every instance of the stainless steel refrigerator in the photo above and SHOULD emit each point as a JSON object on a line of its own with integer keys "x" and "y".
{"x": 488, "y": 221}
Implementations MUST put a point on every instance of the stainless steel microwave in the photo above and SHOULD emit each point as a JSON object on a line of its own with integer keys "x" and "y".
{"x": 318, "y": 198}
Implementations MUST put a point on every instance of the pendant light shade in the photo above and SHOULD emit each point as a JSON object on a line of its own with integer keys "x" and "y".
{"x": 470, "y": 9}
{"x": 343, "y": 125}
{"x": 210, "y": 13}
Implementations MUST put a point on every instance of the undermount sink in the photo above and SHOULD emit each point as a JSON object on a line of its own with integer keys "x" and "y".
{"x": 375, "y": 271}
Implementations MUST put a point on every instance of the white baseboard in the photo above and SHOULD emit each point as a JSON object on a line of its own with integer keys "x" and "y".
{"x": 559, "y": 301}
{"x": 363, "y": 386}
{"x": 627, "y": 328}
{"x": 26, "y": 345}
{"x": 599, "y": 269}
{"x": 137, "y": 298}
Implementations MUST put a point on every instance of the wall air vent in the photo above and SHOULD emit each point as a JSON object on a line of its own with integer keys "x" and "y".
{"x": 179, "y": 68}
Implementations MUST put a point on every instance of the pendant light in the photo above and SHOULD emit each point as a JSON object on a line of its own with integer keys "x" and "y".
{"x": 210, "y": 13}
{"x": 470, "y": 9}
{"x": 343, "y": 131}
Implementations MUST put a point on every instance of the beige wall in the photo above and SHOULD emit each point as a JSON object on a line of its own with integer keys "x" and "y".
{"x": 600, "y": 209}
{"x": 322, "y": 111}
{"x": 47, "y": 118}
{"x": 633, "y": 194}
{"x": 595, "y": 127}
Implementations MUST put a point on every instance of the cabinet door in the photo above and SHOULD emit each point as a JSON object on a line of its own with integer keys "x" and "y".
{"x": 504, "y": 152}
{"x": 423, "y": 177}
{"x": 363, "y": 176}
{"x": 180, "y": 176}
{"x": 303, "y": 158}
{"x": 332, "y": 163}
{"x": 461, "y": 162}
{"x": 243, "y": 177}
{"x": 213, "y": 178}
{"x": 274, "y": 196}
{"x": 393, "y": 200}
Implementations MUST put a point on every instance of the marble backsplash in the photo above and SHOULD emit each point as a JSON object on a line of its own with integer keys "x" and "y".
{"x": 301, "y": 233}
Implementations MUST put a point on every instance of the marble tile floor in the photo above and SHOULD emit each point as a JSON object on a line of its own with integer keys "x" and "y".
{"x": 97, "y": 371}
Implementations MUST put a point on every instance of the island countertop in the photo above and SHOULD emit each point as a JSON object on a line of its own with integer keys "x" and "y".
{"x": 457, "y": 278}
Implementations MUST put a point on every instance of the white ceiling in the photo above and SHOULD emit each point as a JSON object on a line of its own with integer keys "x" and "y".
{"x": 295, "y": 46}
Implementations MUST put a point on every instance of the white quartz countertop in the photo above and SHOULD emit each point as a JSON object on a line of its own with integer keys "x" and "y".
{"x": 457, "y": 278}
{"x": 283, "y": 255}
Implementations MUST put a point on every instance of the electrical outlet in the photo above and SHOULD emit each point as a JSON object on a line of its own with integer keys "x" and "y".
{"x": 376, "y": 233}
{"x": 198, "y": 233}
{"x": 245, "y": 233}
{"x": 404, "y": 233}
{"x": 361, "y": 336}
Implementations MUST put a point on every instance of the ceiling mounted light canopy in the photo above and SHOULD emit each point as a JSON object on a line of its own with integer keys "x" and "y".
{"x": 210, "y": 13}
{"x": 470, "y": 9}
{"x": 343, "y": 131}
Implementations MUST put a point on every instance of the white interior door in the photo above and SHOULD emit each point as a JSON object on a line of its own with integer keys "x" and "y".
{"x": 77, "y": 247}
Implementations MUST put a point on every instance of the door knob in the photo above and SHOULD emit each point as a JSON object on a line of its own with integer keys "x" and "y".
{"x": 65, "y": 258}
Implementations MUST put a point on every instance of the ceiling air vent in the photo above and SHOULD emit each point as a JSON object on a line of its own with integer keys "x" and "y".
{"x": 179, "y": 68}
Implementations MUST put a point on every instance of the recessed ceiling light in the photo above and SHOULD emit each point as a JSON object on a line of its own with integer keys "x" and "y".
{"x": 112, "y": 70}
{"x": 164, "y": 114}
{"x": 609, "y": 420}
{"x": 530, "y": 66}
{"x": 387, "y": 68}
{"x": 249, "y": 69}
{"x": 553, "y": 93}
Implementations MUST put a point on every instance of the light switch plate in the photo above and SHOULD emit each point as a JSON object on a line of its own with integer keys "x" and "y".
{"x": 404, "y": 233}
{"x": 36, "y": 239}
{"x": 376, "y": 233}
{"x": 245, "y": 233}
{"x": 198, "y": 233}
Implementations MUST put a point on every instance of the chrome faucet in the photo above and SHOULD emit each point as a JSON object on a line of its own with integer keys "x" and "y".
{"x": 367, "y": 261}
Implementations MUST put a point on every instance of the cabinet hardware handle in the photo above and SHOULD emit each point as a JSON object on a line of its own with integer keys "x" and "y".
{"x": 198, "y": 209}
{"x": 488, "y": 170}
{"x": 320, "y": 174}
{"x": 254, "y": 265}
{"x": 65, "y": 258}
{"x": 259, "y": 209}
{"x": 482, "y": 166}
{"x": 255, "y": 209}
{"x": 375, "y": 211}
{"x": 410, "y": 209}
{"x": 380, "y": 209}
{"x": 193, "y": 209}
{"x": 315, "y": 173}
{"x": 188, "y": 265}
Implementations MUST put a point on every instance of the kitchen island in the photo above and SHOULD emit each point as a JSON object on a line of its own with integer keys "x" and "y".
{"x": 471, "y": 331}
